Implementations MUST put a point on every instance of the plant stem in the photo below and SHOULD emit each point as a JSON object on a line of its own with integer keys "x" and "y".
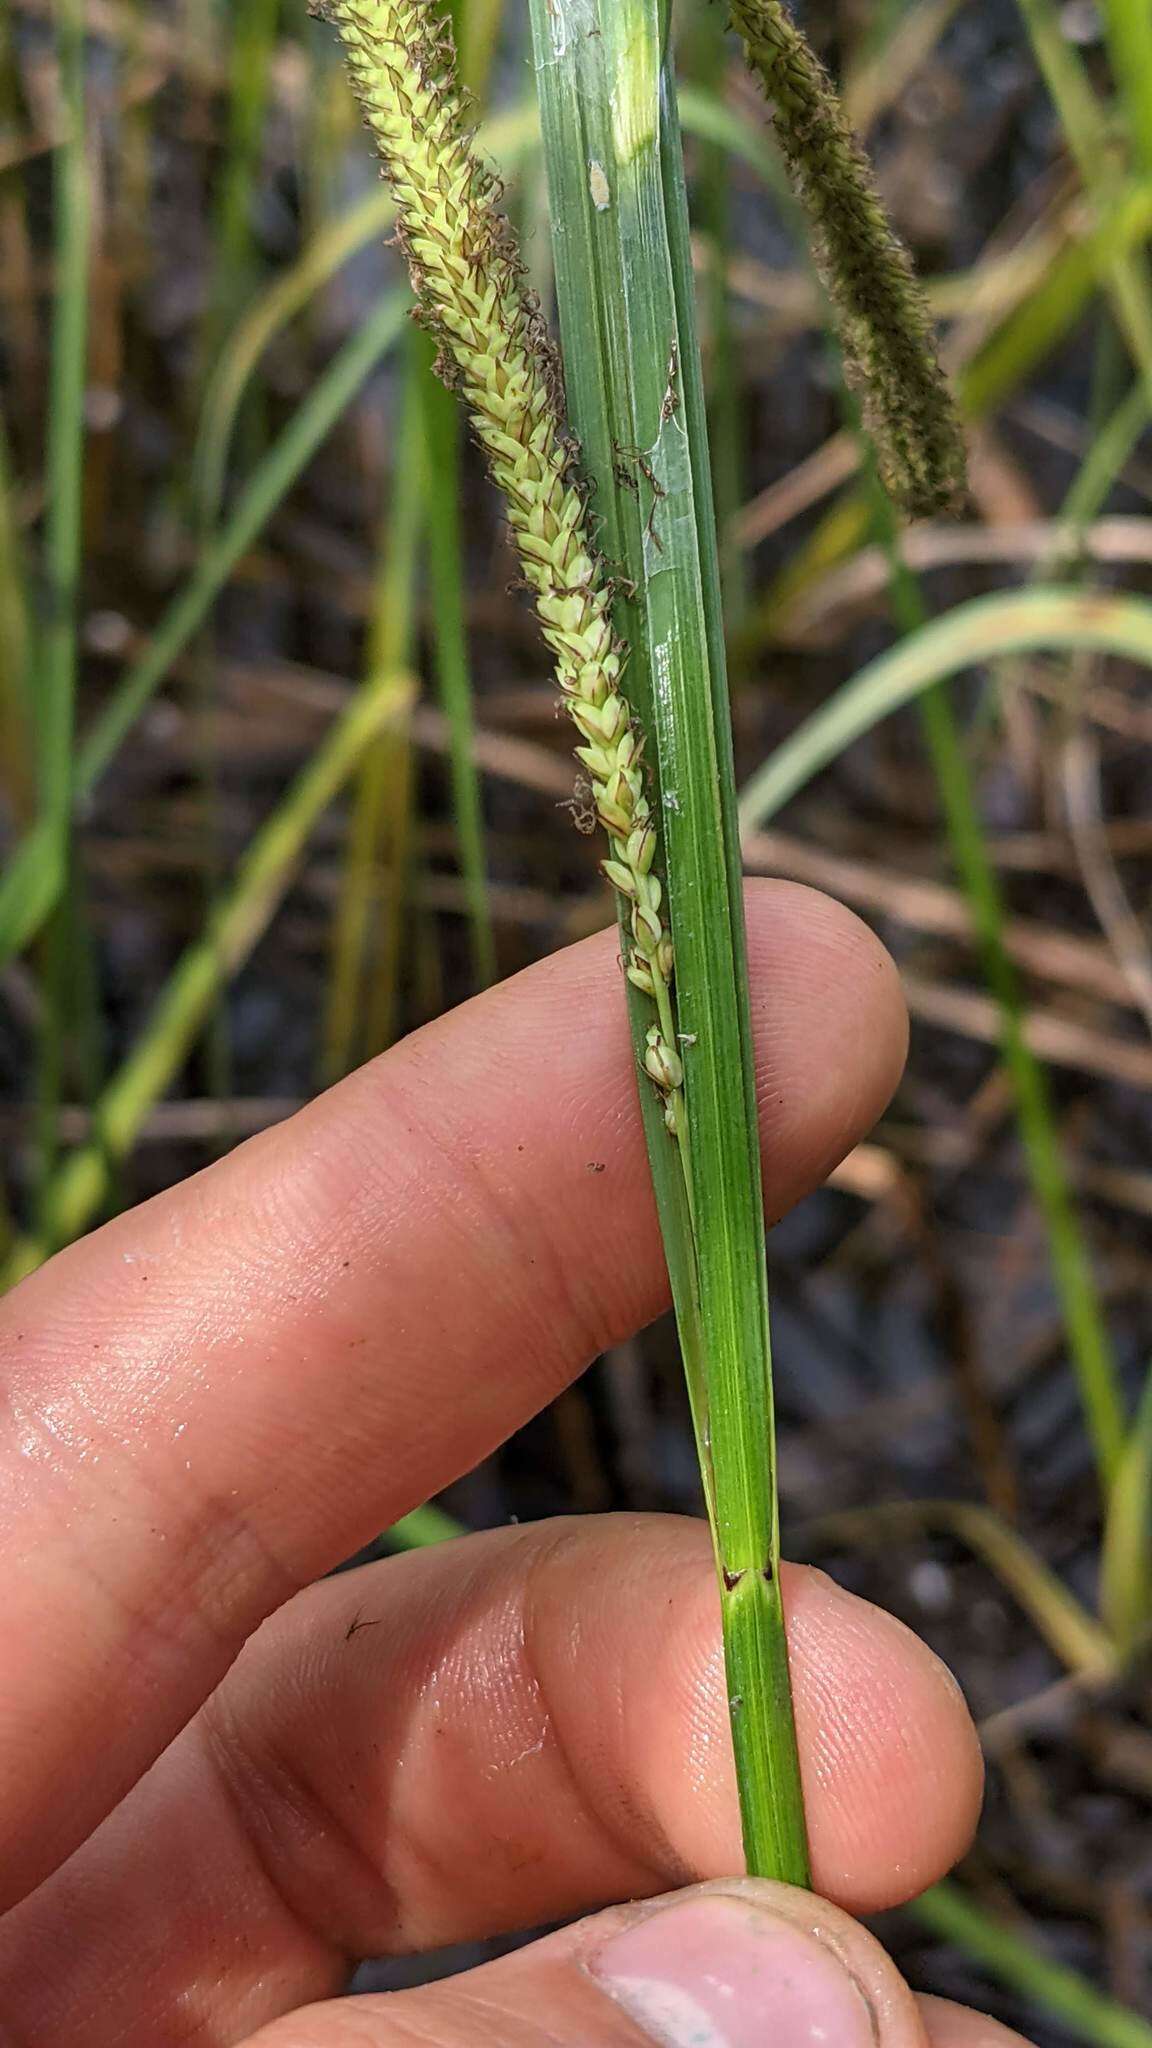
{"x": 251, "y": 48}
{"x": 476, "y": 27}
{"x": 17, "y": 766}
{"x": 33, "y": 878}
{"x": 453, "y": 668}
{"x": 78, "y": 1188}
{"x": 63, "y": 545}
{"x": 623, "y": 275}
{"x": 362, "y": 992}
{"x": 1011, "y": 1959}
{"x": 1078, "y": 1295}
{"x": 1128, "y": 25}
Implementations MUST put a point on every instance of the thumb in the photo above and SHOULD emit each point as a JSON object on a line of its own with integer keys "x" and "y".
{"x": 736, "y": 1964}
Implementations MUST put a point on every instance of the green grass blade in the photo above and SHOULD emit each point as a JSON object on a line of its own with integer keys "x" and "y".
{"x": 251, "y": 47}
{"x": 56, "y": 649}
{"x": 63, "y": 533}
{"x": 453, "y": 668}
{"x": 1009, "y": 1958}
{"x": 984, "y": 629}
{"x": 80, "y": 1185}
{"x": 1083, "y": 1315}
{"x": 1125, "y": 276}
{"x": 624, "y": 283}
{"x": 1081, "y": 115}
{"x": 1070, "y": 1631}
{"x": 17, "y": 766}
{"x": 1128, "y": 25}
{"x": 422, "y": 1528}
{"x": 1126, "y": 1560}
{"x": 973, "y": 633}
{"x": 367, "y": 932}
{"x": 34, "y": 876}
{"x": 1112, "y": 445}
{"x": 508, "y": 137}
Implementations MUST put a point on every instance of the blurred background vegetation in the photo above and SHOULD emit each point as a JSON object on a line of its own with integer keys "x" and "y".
{"x": 281, "y": 779}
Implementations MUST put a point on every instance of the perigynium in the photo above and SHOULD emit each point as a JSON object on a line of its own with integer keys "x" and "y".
{"x": 495, "y": 350}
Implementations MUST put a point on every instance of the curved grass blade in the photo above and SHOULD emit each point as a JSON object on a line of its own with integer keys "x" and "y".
{"x": 1070, "y": 1631}
{"x": 985, "y": 629}
{"x": 976, "y": 632}
{"x": 1089, "y": 1341}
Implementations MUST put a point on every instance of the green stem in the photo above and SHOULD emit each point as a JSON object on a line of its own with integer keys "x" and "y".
{"x": 367, "y": 935}
{"x": 1076, "y": 1289}
{"x": 63, "y": 547}
{"x": 79, "y": 1186}
{"x": 17, "y": 766}
{"x": 33, "y": 878}
{"x": 1010, "y": 1959}
{"x": 453, "y": 668}
{"x": 1128, "y": 24}
{"x": 251, "y": 49}
{"x": 623, "y": 275}
{"x": 1124, "y": 274}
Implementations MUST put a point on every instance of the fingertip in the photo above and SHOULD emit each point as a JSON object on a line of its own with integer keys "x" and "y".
{"x": 954, "y": 2026}
{"x": 831, "y": 1031}
{"x": 892, "y": 1763}
{"x": 892, "y": 1768}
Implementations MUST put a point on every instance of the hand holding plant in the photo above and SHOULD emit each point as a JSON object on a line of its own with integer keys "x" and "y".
{"x": 659, "y": 764}
{"x": 228, "y": 1388}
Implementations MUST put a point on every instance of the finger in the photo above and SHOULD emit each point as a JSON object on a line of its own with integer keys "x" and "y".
{"x": 554, "y": 1694}
{"x": 215, "y": 1398}
{"x": 734, "y": 1965}
{"x": 953, "y": 2026}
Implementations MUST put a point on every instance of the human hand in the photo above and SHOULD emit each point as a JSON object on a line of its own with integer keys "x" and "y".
{"x": 226, "y": 1788}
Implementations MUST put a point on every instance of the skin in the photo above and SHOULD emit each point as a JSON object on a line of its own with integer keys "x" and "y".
{"x": 220, "y": 1782}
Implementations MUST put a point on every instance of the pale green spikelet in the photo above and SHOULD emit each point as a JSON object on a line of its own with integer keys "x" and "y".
{"x": 495, "y": 350}
{"x": 883, "y": 319}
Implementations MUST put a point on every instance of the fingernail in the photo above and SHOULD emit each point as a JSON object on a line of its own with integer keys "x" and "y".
{"x": 723, "y": 1973}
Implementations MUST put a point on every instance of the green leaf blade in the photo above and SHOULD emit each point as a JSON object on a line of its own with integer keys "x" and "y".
{"x": 628, "y": 321}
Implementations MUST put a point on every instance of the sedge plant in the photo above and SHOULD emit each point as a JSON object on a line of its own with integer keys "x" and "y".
{"x": 626, "y": 588}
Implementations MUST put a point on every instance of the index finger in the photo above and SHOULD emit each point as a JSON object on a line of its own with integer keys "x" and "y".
{"x": 217, "y": 1397}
